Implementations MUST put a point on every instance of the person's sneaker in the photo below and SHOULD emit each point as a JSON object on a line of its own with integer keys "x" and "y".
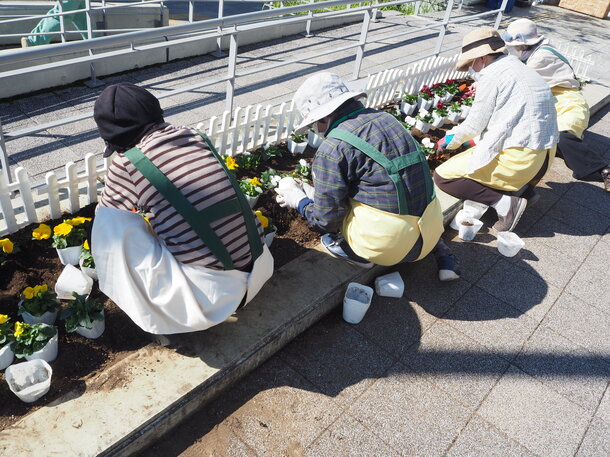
{"x": 606, "y": 178}
{"x": 338, "y": 247}
{"x": 531, "y": 195}
{"x": 447, "y": 268}
{"x": 25, "y": 42}
{"x": 509, "y": 222}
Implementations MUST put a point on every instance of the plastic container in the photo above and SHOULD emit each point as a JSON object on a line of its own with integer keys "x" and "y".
{"x": 93, "y": 332}
{"x": 88, "y": 271}
{"x": 314, "y": 140}
{"x": 48, "y": 353}
{"x": 6, "y": 356}
{"x": 453, "y": 116}
{"x": 438, "y": 121}
{"x": 464, "y": 111}
{"x": 424, "y": 104}
{"x": 356, "y": 302}
{"x": 422, "y": 126}
{"x": 406, "y": 108}
{"x": 48, "y": 318}
{"x": 71, "y": 280}
{"x": 390, "y": 285}
{"x": 29, "y": 380}
{"x": 509, "y": 243}
{"x": 475, "y": 208}
{"x": 69, "y": 256}
{"x": 269, "y": 238}
{"x": 296, "y": 148}
{"x": 469, "y": 228}
{"x": 252, "y": 201}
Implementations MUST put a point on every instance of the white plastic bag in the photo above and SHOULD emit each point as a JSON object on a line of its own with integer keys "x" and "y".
{"x": 71, "y": 280}
{"x": 390, "y": 285}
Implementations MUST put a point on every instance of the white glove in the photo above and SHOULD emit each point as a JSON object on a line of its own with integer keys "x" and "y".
{"x": 308, "y": 189}
{"x": 289, "y": 193}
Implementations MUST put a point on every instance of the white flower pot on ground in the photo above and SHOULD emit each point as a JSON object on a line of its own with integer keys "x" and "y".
{"x": 296, "y": 148}
{"x": 447, "y": 98}
{"x": 453, "y": 116}
{"x": 252, "y": 200}
{"x": 71, "y": 280}
{"x": 422, "y": 126}
{"x": 509, "y": 244}
{"x": 48, "y": 353}
{"x": 6, "y": 356}
{"x": 269, "y": 238}
{"x": 468, "y": 229}
{"x": 438, "y": 121}
{"x": 314, "y": 140}
{"x": 69, "y": 256}
{"x": 407, "y": 108}
{"x": 47, "y": 318}
{"x": 95, "y": 331}
{"x": 29, "y": 380}
{"x": 464, "y": 111}
{"x": 390, "y": 285}
{"x": 88, "y": 271}
{"x": 437, "y": 99}
{"x": 356, "y": 302}
{"x": 424, "y": 104}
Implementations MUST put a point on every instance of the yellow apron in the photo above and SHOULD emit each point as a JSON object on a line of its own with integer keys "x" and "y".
{"x": 385, "y": 238}
{"x": 510, "y": 170}
{"x": 572, "y": 110}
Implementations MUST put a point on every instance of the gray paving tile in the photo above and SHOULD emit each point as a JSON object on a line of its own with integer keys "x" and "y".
{"x": 581, "y": 323}
{"x": 456, "y": 364}
{"x": 481, "y": 439}
{"x": 496, "y": 325}
{"x": 596, "y": 442}
{"x": 410, "y": 414}
{"x": 534, "y": 415}
{"x": 475, "y": 258}
{"x": 337, "y": 359}
{"x": 583, "y": 221}
{"x": 591, "y": 283}
{"x": 536, "y": 212}
{"x": 219, "y": 442}
{"x": 521, "y": 286}
{"x": 590, "y": 195}
{"x": 570, "y": 371}
{"x": 347, "y": 437}
{"x": 603, "y": 410}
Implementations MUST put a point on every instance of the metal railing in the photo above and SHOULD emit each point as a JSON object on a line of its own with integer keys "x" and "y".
{"x": 127, "y": 43}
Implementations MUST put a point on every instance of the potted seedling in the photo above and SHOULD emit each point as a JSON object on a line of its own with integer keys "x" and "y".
{"x": 439, "y": 93}
{"x": 466, "y": 105}
{"x": 408, "y": 104}
{"x": 425, "y": 98}
{"x": 68, "y": 238}
{"x": 427, "y": 146}
{"x": 248, "y": 161}
{"x": 452, "y": 89}
{"x": 422, "y": 123}
{"x": 29, "y": 380}
{"x": 6, "y": 337}
{"x": 86, "y": 262}
{"x": 297, "y": 143}
{"x": 252, "y": 189}
{"x": 454, "y": 111}
{"x": 270, "y": 178}
{"x": 84, "y": 316}
{"x": 38, "y": 304}
{"x": 268, "y": 227}
{"x": 313, "y": 139}
{"x": 271, "y": 151}
{"x": 302, "y": 171}
{"x": 37, "y": 341}
{"x": 439, "y": 115}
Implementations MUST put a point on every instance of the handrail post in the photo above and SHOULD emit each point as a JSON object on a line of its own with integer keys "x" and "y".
{"x": 443, "y": 30}
{"x": 231, "y": 71}
{"x": 6, "y": 168}
{"x": 374, "y": 12}
{"x": 62, "y": 27}
{"x": 191, "y": 10}
{"x": 499, "y": 16}
{"x": 361, "y": 43}
{"x": 218, "y": 52}
{"x": 93, "y": 82}
{"x": 308, "y": 23}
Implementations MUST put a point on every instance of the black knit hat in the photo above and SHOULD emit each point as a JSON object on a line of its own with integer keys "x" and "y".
{"x": 124, "y": 113}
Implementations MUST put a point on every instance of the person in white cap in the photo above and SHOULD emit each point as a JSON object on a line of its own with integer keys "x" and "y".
{"x": 373, "y": 195}
{"x": 536, "y": 52}
{"x": 514, "y": 115}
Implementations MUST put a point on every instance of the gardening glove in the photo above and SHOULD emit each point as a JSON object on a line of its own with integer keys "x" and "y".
{"x": 289, "y": 193}
{"x": 308, "y": 189}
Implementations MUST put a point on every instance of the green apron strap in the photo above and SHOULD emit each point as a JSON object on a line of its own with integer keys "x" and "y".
{"x": 181, "y": 204}
{"x": 254, "y": 239}
{"x": 559, "y": 55}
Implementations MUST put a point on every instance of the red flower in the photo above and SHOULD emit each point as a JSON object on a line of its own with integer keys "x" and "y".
{"x": 450, "y": 81}
{"x": 425, "y": 88}
{"x": 440, "y": 105}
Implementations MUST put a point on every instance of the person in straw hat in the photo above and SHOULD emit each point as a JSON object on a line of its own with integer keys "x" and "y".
{"x": 514, "y": 116}
{"x": 373, "y": 194}
{"x": 534, "y": 50}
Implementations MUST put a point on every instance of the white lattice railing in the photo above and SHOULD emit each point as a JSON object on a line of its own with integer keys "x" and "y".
{"x": 251, "y": 127}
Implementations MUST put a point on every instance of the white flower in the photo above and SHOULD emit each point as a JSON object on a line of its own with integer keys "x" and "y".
{"x": 410, "y": 120}
{"x": 266, "y": 146}
{"x": 427, "y": 143}
{"x": 303, "y": 163}
{"x": 246, "y": 153}
{"x": 258, "y": 190}
{"x": 275, "y": 180}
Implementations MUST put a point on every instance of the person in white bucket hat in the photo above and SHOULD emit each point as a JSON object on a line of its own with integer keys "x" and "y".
{"x": 373, "y": 196}
{"x": 536, "y": 52}
{"x": 514, "y": 115}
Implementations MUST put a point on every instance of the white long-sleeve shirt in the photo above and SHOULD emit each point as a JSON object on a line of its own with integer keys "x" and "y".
{"x": 513, "y": 107}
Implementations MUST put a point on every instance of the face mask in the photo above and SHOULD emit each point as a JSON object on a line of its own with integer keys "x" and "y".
{"x": 473, "y": 74}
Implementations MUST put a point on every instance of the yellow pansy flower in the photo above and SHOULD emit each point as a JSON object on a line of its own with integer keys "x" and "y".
{"x": 62, "y": 229}
{"x": 3, "y": 318}
{"x": 19, "y": 328}
{"x": 7, "y": 245}
{"x": 255, "y": 181}
{"x": 264, "y": 220}
{"x": 44, "y": 287}
{"x": 86, "y": 245}
{"x": 78, "y": 220}
{"x": 28, "y": 293}
{"x": 40, "y": 289}
{"x": 231, "y": 163}
{"x": 42, "y": 232}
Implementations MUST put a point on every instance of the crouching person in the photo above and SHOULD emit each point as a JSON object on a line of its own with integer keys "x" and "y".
{"x": 198, "y": 254}
{"x": 373, "y": 194}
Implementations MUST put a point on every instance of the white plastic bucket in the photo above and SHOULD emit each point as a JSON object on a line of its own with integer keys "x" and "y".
{"x": 93, "y": 332}
{"x": 69, "y": 256}
{"x": 406, "y": 108}
{"x": 48, "y": 318}
{"x": 422, "y": 126}
{"x": 469, "y": 228}
{"x": 509, "y": 243}
{"x": 475, "y": 208}
{"x": 356, "y": 302}
{"x": 314, "y": 140}
{"x": 296, "y": 148}
{"x": 71, "y": 280}
{"x": 48, "y": 353}
{"x": 252, "y": 201}
{"x": 390, "y": 285}
{"x": 29, "y": 380}
{"x": 89, "y": 271}
{"x": 6, "y": 356}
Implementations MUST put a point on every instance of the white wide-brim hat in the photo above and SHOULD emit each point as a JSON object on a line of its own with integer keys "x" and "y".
{"x": 479, "y": 43}
{"x": 522, "y": 32}
{"x": 319, "y": 96}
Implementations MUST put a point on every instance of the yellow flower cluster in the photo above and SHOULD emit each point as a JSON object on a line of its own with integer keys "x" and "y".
{"x": 31, "y": 292}
{"x": 231, "y": 163}
{"x": 42, "y": 232}
{"x": 20, "y": 327}
{"x": 77, "y": 220}
{"x": 86, "y": 245}
{"x": 256, "y": 182}
{"x": 62, "y": 229}
{"x": 3, "y": 318}
{"x": 264, "y": 220}
{"x": 6, "y": 245}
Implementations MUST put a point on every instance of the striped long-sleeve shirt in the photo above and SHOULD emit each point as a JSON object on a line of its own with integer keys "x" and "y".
{"x": 181, "y": 154}
{"x": 342, "y": 172}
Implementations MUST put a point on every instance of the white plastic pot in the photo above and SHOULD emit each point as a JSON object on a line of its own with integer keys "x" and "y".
{"x": 48, "y": 353}
{"x": 48, "y": 318}
{"x": 314, "y": 140}
{"x": 453, "y": 116}
{"x": 406, "y": 108}
{"x": 437, "y": 99}
{"x": 88, "y": 271}
{"x": 422, "y": 126}
{"x": 269, "y": 238}
{"x": 509, "y": 243}
{"x": 296, "y": 148}
{"x": 29, "y": 380}
{"x": 464, "y": 111}
{"x": 476, "y": 209}
{"x": 390, "y": 285}
{"x": 95, "y": 331}
{"x": 424, "y": 104}
{"x": 438, "y": 121}
{"x": 469, "y": 227}
{"x": 6, "y": 356}
{"x": 447, "y": 98}
{"x": 69, "y": 256}
{"x": 356, "y": 302}
{"x": 71, "y": 280}
{"x": 252, "y": 200}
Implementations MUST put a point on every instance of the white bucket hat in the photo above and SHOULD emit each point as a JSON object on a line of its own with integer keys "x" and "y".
{"x": 319, "y": 96}
{"x": 522, "y": 32}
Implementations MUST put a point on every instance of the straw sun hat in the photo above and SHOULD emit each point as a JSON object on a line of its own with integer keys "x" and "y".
{"x": 479, "y": 43}
{"x": 522, "y": 32}
{"x": 319, "y": 96}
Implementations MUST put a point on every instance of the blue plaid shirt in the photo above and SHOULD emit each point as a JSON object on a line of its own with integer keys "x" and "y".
{"x": 342, "y": 172}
